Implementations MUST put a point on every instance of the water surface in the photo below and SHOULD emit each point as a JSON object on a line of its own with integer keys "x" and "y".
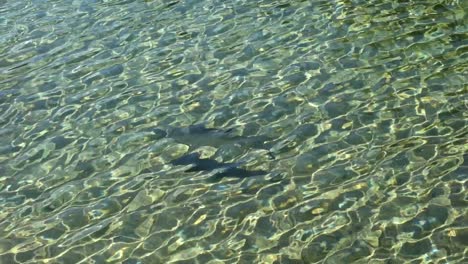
{"x": 355, "y": 113}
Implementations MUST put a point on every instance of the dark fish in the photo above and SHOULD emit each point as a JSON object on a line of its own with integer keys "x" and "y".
{"x": 225, "y": 169}
{"x": 199, "y": 135}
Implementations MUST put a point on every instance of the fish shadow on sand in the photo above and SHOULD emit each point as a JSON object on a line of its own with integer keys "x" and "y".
{"x": 223, "y": 169}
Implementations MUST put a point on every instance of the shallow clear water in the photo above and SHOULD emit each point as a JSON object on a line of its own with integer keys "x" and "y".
{"x": 342, "y": 124}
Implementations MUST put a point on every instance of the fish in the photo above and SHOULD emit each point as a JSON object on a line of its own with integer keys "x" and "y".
{"x": 223, "y": 169}
{"x": 86, "y": 232}
{"x": 199, "y": 135}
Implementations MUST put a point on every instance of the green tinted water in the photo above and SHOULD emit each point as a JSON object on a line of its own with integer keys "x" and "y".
{"x": 354, "y": 112}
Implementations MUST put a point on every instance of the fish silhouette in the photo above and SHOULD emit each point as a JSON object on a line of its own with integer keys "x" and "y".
{"x": 199, "y": 135}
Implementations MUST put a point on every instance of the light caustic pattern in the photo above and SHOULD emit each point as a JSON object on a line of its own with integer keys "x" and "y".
{"x": 353, "y": 114}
